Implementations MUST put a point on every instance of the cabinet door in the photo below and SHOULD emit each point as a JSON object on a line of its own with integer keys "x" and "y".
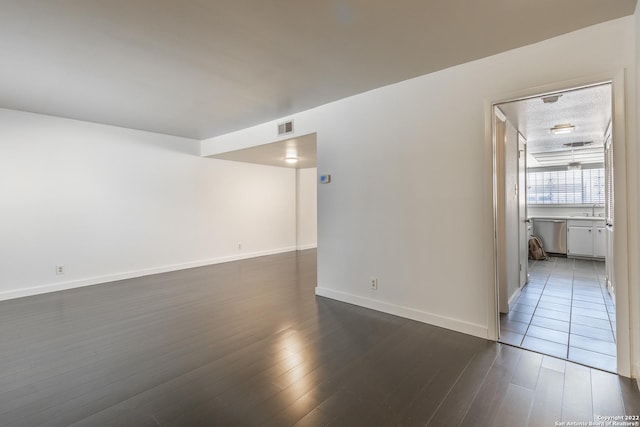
{"x": 580, "y": 241}
{"x": 600, "y": 242}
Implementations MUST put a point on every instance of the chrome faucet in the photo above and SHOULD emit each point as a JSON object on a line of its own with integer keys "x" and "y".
{"x": 593, "y": 208}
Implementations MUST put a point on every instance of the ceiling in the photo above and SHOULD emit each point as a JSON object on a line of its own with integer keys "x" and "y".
{"x": 274, "y": 154}
{"x": 202, "y": 68}
{"x": 587, "y": 109}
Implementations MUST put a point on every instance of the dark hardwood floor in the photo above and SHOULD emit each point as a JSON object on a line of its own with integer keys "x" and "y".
{"x": 248, "y": 344}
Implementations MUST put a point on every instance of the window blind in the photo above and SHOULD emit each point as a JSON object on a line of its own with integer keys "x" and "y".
{"x": 556, "y": 187}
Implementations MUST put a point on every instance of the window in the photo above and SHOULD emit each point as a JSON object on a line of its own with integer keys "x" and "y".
{"x": 560, "y": 186}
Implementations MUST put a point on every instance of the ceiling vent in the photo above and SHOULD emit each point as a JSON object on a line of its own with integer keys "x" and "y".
{"x": 578, "y": 144}
{"x": 285, "y": 128}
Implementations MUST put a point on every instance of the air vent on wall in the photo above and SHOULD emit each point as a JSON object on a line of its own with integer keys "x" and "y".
{"x": 285, "y": 127}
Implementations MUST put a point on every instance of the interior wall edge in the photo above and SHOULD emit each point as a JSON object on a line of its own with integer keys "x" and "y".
{"x": 634, "y": 185}
{"x": 514, "y": 298}
{"x": 480, "y": 331}
{"x": 101, "y": 280}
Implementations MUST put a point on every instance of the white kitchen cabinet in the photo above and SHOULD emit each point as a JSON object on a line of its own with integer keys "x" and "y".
{"x": 600, "y": 242}
{"x": 580, "y": 241}
{"x": 586, "y": 238}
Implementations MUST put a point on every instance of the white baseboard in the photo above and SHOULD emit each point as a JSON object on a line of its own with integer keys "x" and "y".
{"x": 611, "y": 290}
{"x": 305, "y": 247}
{"x": 514, "y": 298}
{"x": 406, "y": 312}
{"x": 61, "y": 286}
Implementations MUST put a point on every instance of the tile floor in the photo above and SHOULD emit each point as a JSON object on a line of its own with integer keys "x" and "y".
{"x": 565, "y": 311}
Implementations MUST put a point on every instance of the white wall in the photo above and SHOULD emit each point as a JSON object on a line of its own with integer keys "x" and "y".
{"x": 635, "y": 222}
{"x": 108, "y": 202}
{"x": 307, "y": 208}
{"x": 411, "y": 195}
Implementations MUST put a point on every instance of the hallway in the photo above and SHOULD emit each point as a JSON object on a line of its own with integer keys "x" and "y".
{"x": 565, "y": 311}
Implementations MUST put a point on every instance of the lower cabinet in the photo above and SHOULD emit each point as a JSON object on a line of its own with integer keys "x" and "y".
{"x": 580, "y": 241}
{"x": 586, "y": 238}
{"x": 600, "y": 242}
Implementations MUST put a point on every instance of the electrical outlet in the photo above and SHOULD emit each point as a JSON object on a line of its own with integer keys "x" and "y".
{"x": 59, "y": 269}
{"x": 373, "y": 282}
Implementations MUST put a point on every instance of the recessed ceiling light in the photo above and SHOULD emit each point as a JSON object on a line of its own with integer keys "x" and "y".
{"x": 551, "y": 98}
{"x": 562, "y": 129}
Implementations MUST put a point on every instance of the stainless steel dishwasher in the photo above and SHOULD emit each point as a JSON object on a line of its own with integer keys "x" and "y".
{"x": 553, "y": 233}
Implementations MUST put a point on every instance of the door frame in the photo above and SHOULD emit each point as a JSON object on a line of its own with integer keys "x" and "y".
{"x": 523, "y": 222}
{"x": 623, "y": 270}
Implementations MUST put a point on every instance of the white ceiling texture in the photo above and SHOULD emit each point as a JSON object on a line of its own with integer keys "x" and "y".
{"x": 587, "y": 110}
{"x": 202, "y": 68}
{"x": 302, "y": 148}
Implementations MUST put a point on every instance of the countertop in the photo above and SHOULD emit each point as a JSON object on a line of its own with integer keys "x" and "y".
{"x": 580, "y": 217}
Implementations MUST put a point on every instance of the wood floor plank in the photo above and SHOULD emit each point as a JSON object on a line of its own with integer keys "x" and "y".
{"x": 607, "y": 397}
{"x": 355, "y": 379}
{"x": 577, "y": 399}
{"x": 547, "y": 400}
{"x": 449, "y": 365}
{"x": 515, "y": 407}
{"x": 453, "y": 409}
{"x": 630, "y": 396}
{"x": 527, "y": 370}
{"x": 485, "y": 406}
{"x": 117, "y": 416}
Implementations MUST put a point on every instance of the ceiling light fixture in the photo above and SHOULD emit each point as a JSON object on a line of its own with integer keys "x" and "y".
{"x": 291, "y": 158}
{"x": 551, "y": 98}
{"x": 573, "y": 166}
{"x": 562, "y": 129}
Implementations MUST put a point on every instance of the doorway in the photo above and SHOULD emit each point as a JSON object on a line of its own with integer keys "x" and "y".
{"x": 299, "y": 154}
{"x": 556, "y": 184}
